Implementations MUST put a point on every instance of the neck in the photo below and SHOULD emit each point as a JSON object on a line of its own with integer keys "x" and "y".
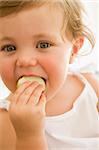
{"x": 63, "y": 101}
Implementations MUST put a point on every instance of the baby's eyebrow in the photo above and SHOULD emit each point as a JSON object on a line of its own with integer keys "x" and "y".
{"x": 35, "y": 36}
{"x": 42, "y": 35}
{"x": 47, "y": 36}
{"x": 6, "y": 39}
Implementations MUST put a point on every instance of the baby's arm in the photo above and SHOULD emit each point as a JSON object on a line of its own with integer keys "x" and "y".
{"x": 33, "y": 143}
{"x": 27, "y": 114}
{"x": 7, "y": 134}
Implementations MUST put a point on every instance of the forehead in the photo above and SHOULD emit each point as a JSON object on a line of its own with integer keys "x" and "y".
{"x": 42, "y": 19}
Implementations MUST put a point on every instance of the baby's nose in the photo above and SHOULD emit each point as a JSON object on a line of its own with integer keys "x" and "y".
{"x": 26, "y": 60}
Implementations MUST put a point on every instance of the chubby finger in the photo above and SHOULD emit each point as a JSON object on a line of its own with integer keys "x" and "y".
{"x": 42, "y": 101}
{"x": 34, "y": 99}
{"x": 25, "y": 96}
{"x": 14, "y": 98}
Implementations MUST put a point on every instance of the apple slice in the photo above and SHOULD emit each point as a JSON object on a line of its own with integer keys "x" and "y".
{"x": 30, "y": 78}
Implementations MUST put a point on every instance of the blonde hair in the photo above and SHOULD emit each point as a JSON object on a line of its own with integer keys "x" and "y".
{"x": 72, "y": 9}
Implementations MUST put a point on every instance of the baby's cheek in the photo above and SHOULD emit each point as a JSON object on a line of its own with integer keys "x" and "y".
{"x": 56, "y": 72}
{"x": 7, "y": 76}
{"x": 6, "y": 67}
{"x": 7, "y": 71}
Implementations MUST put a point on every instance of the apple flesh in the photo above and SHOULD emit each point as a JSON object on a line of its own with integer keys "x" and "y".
{"x": 31, "y": 79}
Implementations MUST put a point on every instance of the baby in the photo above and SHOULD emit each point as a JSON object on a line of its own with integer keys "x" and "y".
{"x": 50, "y": 108}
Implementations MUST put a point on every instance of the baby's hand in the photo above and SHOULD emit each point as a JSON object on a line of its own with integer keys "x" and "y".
{"x": 27, "y": 109}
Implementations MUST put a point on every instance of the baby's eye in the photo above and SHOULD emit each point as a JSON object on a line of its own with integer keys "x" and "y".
{"x": 8, "y": 48}
{"x": 43, "y": 45}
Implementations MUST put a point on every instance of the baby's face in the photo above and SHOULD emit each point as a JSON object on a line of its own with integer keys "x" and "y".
{"x": 31, "y": 45}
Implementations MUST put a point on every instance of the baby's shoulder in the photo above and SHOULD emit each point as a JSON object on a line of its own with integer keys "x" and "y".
{"x": 78, "y": 81}
{"x": 5, "y": 122}
{"x": 4, "y": 119}
{"x": 7, "y": 133}
{"x": 93, "y": 80}
{"x": 4, "y": 113}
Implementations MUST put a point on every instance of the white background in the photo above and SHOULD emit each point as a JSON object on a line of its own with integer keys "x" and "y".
{"x": 92, "y": 7}
{"x": 91, "y": 61}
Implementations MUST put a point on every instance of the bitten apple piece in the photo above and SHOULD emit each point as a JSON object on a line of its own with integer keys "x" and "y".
{"x": 30, "y": 78}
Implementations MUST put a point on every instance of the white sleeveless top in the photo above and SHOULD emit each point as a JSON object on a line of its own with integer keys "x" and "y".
{"x": 77, "y": 129}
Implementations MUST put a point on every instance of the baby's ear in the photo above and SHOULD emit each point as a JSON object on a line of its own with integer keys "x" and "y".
{"x": 77, "y": 45}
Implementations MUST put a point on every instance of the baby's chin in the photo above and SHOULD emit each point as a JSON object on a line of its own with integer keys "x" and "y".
{"x": 31, "y": 79}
